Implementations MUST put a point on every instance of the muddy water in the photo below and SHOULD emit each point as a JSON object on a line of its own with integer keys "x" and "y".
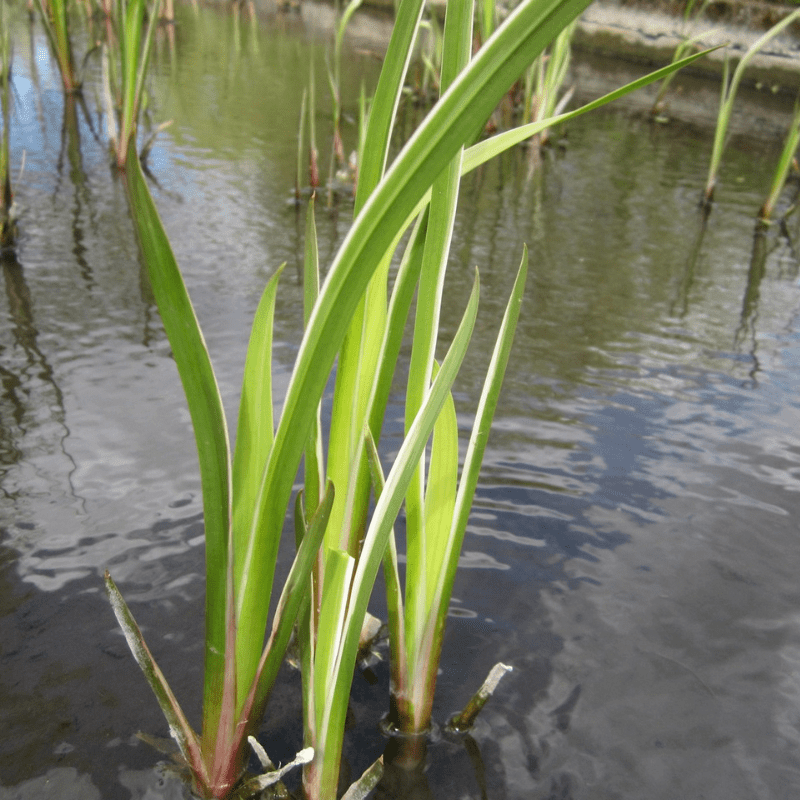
{"x": 633, "y": 548}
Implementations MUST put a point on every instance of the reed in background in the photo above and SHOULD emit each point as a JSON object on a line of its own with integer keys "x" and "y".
{"x": 786, "y": 163}
{"x": 543, "y": 90}
{"x": 730, "y": 85}
{"x": 334, "y": 68}
{"x": 55, "y": 18}
{"x": 690, "y": 13}
{"x": 126, "y": 59}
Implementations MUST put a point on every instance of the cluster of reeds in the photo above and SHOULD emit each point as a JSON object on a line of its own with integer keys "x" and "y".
{"x": 358, "y": 316}
{"x": 542, "y": 93}
{"x": 338, "y": 159}
{"x": 124, "y": 44}
{"x": 730, "y": 86}
{"x": 344, "y": 516}
{"x": 55, "y": 16}
{"x": 543, "y": 85}
{"x": 342, "y": 169}
{"x": 125, "y": 57}
{"x": 786, "y": 164}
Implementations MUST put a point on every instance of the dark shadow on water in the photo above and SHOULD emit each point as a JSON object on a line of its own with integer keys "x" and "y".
{"x": 746, "y": 336}
{"x": 680, "y": 304}
{"x": 82, "y": 197}
{"x": 32, "y": 375}
{"x": 765, "y": 244}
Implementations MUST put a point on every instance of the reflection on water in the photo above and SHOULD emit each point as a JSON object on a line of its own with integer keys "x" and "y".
{"x": 633, "y": 547}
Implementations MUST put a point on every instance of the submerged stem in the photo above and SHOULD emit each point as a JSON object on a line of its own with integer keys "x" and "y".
{"x": 466, "y": 719}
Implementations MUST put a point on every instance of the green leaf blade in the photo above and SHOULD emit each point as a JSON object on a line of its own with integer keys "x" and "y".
{"x": 472, "y": 466}
{"x": 294, "y": 598}
{"x": 387, "y": 97}
{"x": 460, "y": 113}
{"x": 178, "y": 724}
{"x": 440, "y": 496}
{"x": 208, "y": 419}
{"x": 442, "y": 211}
{"x": 254, "y": 433}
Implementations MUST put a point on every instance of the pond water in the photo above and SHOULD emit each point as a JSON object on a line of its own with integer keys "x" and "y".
{"x": 633, "y": 550}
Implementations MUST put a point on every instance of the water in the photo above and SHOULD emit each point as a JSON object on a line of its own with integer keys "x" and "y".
{"x": 633, "y": 546}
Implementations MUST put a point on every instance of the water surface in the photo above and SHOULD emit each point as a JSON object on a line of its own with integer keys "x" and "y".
{"x": 633, "y": 546}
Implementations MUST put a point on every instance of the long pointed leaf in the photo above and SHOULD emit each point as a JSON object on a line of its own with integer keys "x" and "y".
{"x": 387, "y": 97}
{"x": 359, "y": 354}
{"x": 489, "y": 148}
{"x": 208, "y": 419}
{"x": 320, "y": 776}
{"x": 413, "y": 691}
{"x": 143, "y": 60}
{"x": 395, "y": 615}
{"x": 314, "y": 465}
{"x": 290, "y": 605}
{"x": 255, "y": 428}
{"x": 471, "y": 470}
{"x": 399, "y": 305}
{"x": 440, "y": 496}
{"x": 178, "y": 724}
{"x": 729, "y": 95}
{"x": 254, "y": 437}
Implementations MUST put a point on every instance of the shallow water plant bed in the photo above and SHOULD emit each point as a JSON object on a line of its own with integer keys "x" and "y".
{"x": 357, "y": 316}
{"x": 631, "y": 443}
{"x": 340, "y": 546}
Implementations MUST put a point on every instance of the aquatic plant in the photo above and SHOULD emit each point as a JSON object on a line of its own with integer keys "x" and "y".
{"x": 230, "y": 491}
{"x": 436, "y": 509}
{"x": 783, "y": 168}
{"x": 246, "y": 495}
{"x": 55, "y": 18}
{"x": 365, "y": 368}
{"x": 730, "y": 85}
{"x": 435, "y": 517}
{"x": 690, "y": 13}
{"x": 334, "y": 70}
{"x": 685, "y": 45}
{"x": 125, "y": 61}
{"x": 544, "y": 80}
{"x": 426, "y": 81}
